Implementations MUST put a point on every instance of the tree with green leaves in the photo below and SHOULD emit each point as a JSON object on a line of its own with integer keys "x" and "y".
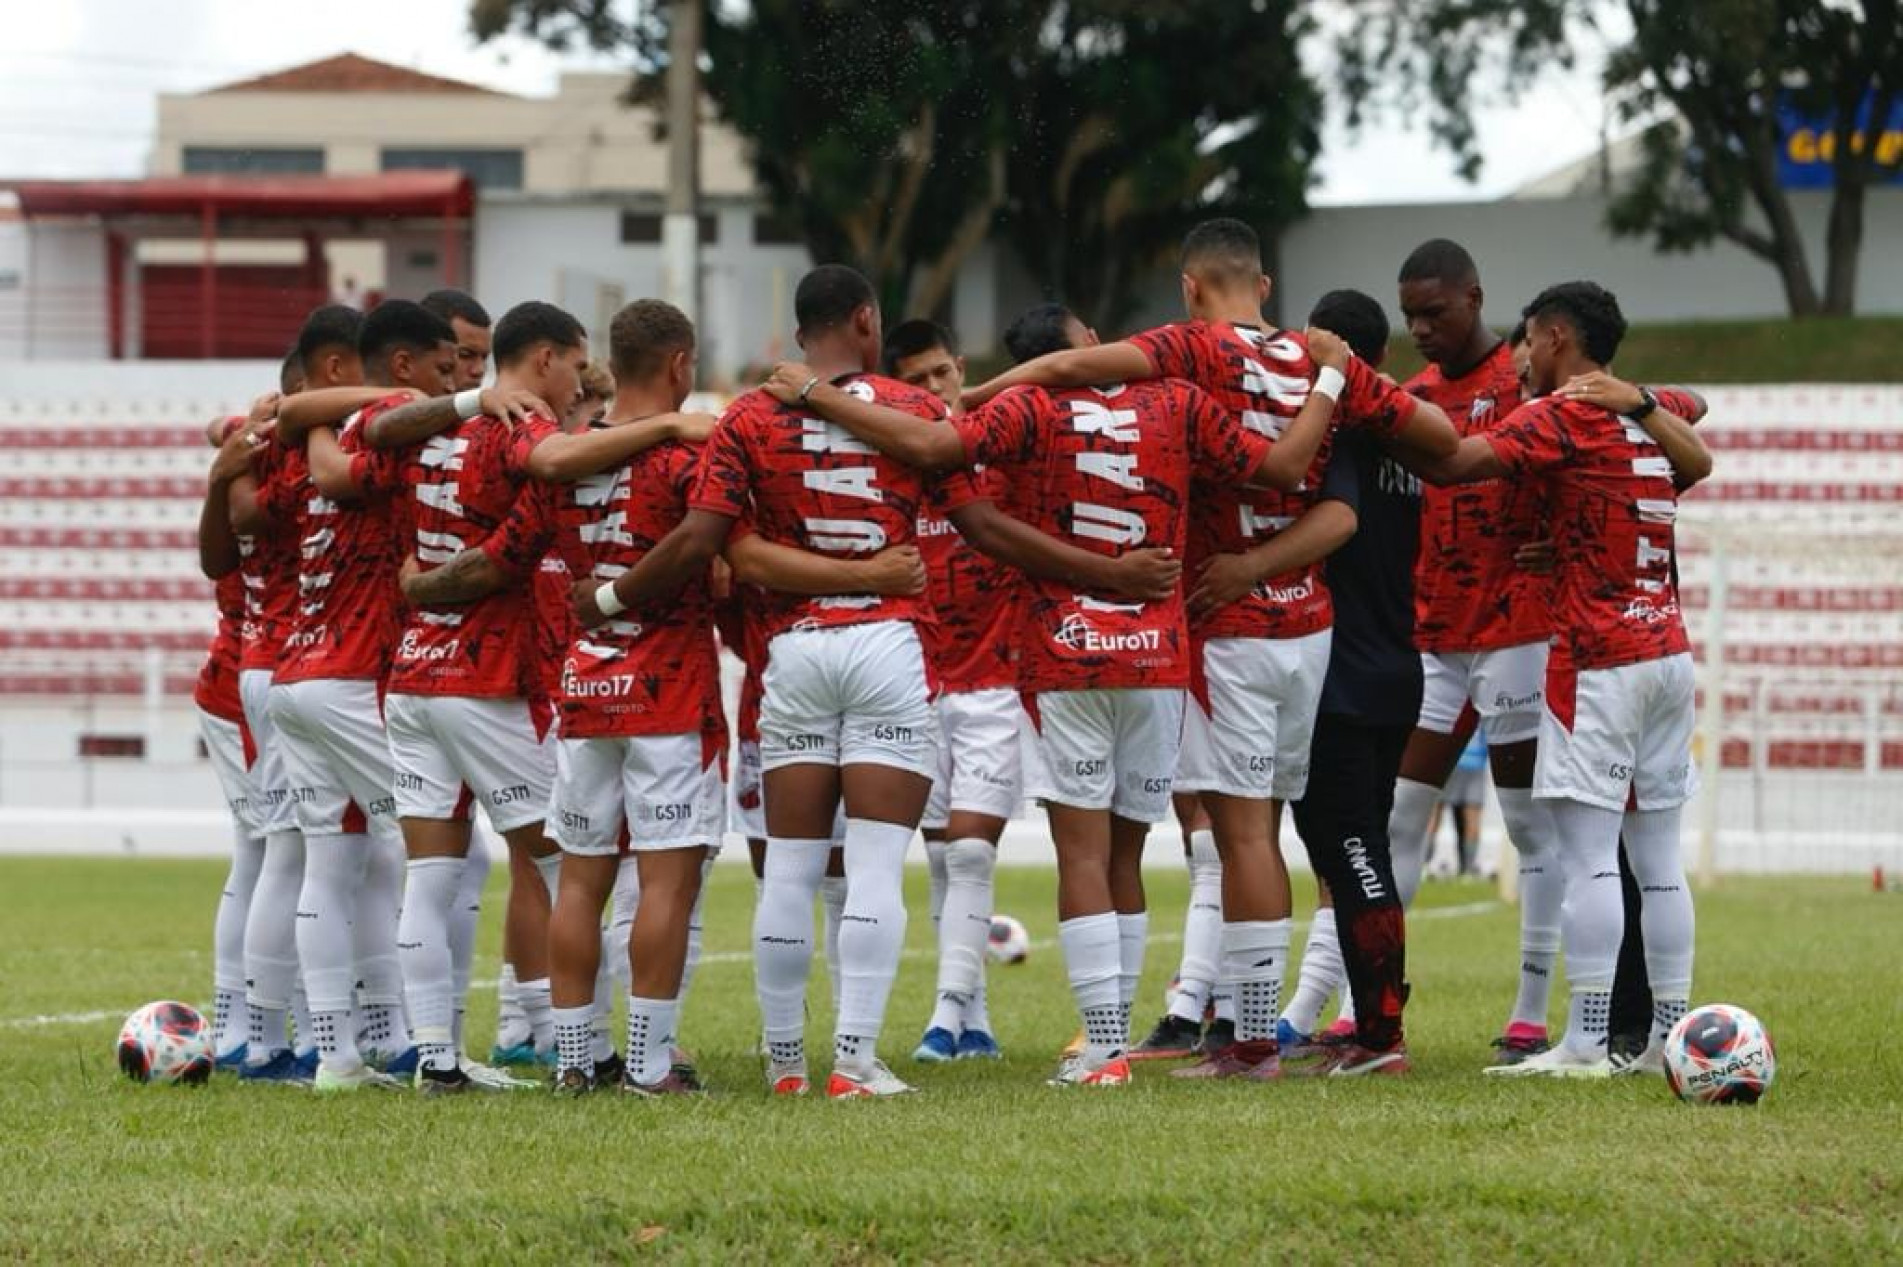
{"x": 898, "y": 134}
{"x": 1706, "y": 80}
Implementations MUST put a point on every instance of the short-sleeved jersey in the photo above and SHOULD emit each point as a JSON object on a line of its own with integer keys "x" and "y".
{"x": 808, "y": 483}
{"x": 653, "y": 669}
{"x": 267, "y": 559}
{"x": 1611, "y": 508}
{"x": 1469, "y": 594}
{"x": 349, "y": 608}
{"x": 466, "y": 481}
{"x": 216, "y": 691}
{"x": 974, "y": 596}
{"x": 738, "y": 620}
{"x": 1108, "y": 470}
{"x": 1263, "y": 377}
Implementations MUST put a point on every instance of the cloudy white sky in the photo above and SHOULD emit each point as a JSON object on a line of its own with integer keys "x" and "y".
{"x": 78, "y": 80}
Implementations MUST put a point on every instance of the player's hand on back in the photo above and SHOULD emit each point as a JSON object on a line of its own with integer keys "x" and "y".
{"x": 264, "y": 408}
{"x": 1224, "y": 578}
{"x": 787, "y": 381}
{"x": 897, "y": 571}
{"x": 513, "y": 405}
{"x": 1602, "y": 389}
{"x": 1326, "y": 348}
{"x": 1149, "y": 575}
{"x": 239, "y": 450}
{"x": 408, "y": 573}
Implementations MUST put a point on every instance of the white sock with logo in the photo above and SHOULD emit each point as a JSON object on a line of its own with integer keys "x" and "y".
{"x": 1202, "y": 930}
{"x": 270, "y": 946}
{"x": 964, "y": 929}
{"x": 428, "y": 963}
{"x": 326, "y": 905}
{"x": 1407, "y": 834}
{"x": 1133, "y": 936}
{"x": 1530, "y": 827}
{"x": 1093, "y": 962}
{"x": 783, "y": 941}
{"x": 1321, "y": 974}
{"x": 1594, "y": 920}
{"x": 871, "y": 936}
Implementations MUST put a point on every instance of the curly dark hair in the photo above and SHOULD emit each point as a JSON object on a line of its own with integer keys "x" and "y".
{"x": 1590, "y": 309}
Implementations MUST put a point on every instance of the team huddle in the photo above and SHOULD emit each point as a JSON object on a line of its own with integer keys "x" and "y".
{"x": 1213, "y": 569}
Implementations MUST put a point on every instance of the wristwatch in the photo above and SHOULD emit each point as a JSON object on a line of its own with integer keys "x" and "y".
{"x": 1648, "y": 405}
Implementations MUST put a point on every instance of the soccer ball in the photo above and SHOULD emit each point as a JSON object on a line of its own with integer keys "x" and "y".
{"x": 1009, "y": 942}
{"x": 1719, "y": 1055}
{"x": 166, "y": 1042}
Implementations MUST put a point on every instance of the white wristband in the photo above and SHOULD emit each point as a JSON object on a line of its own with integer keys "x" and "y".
{"x": 606, "y": 600}
{"x": 1330, "y": 382}
{"x": 469, "y": 403}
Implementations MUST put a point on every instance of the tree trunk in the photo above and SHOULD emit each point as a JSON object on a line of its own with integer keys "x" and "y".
{"x": 1843, "y": 246}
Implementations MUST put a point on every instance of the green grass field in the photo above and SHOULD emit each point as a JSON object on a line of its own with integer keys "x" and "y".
{"x": 987, "y": 1164}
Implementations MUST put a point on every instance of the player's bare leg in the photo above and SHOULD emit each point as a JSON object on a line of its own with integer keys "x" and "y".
{"x": 574, "y": 959}
{"x": 533, "y": 864}
{"x": 1180, "y": 1030}
{"x": 657, "y": 965}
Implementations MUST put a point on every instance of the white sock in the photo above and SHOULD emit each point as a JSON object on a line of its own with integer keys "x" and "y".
{"x": 464, "y": 913}
{"x": 538, "y": 1007}
{"x": 871, "y": 935}
{"x": 1093, "y": 961}
{"x": 1407, "y": 834}
{"x": 303, "y": 1031}
{"x": 1530, "y": 827}
{"x": 270, "y": 944}
{"x": 651, "y": 1024}
{"x": 428, "y": 972}
{"x": 936, "y": 873}
{"x": 696, "y": 930}
{"x": 1652, "y": 846}
{"x": 1133, "y": 935}
{"x": 978, "y": 1011}
{"x": 1593, "y": 919}
{"x": 612, "y": 977}
{"x": 964, "y": 929}
{"x": 832, "y": 902}
{"x": 1202, "y": 930}
{"x": 333, "y": 875}
{"x": 783, "y": 941}
{"x": 1322, "y": 973}
{"x": 382, "y": 1027}
{"x": 1222, "y": 1001}
{"x": 1254, "y": 956}
{"x": 229, "y": 1021}
{"x": 512, "y": 1028}
{"x": 574, "y": 1039}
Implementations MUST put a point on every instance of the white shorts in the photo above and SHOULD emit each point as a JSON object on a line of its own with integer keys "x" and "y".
{"x": 1112, "y": 749}
{"x": 667, "y": 789}
{"x": 1505, "y": 690}
{"x": 1248, "y": 735}
{"x": 225, "y": 746}
{"x": 850, "y": 695}
{"x": 979, "y": 766}
{"x": 270, "y": 783}
{"x": 1621, "y": 737}
{"x": 448, "y": 748}
{"x": 331, "y": 733}
{"x": 748, "y": 814}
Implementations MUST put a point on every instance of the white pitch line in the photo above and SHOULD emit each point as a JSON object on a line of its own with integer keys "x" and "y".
{"x": 746, "y": 956}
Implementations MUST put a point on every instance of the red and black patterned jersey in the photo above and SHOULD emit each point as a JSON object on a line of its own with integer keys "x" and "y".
{"x": 349, "y": 609}
{"x": 653, "y": 669}
{"x": 974, "y": 596}
{"x": 216, "y": 691}
{"x": 738, "y": 620}
{"x": 807, "y": 483}
{"x": 267, "y": 559}
{"x": 467, "y": 480}
{"x": 1469, "y": 594}
{"x": 1263, "y": 377}
{"x": 1606, "y": 487}
{"x": 1108, "y": 470}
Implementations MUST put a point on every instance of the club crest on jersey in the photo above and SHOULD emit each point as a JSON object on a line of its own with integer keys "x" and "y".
{"x": 1481, "y": 409}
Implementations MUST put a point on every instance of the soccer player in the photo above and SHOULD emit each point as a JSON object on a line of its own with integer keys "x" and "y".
{"x": 1261, "y": 642}
{"x": 1615, "y": 732}
{"x": 469, "y": 323}
{"x": 1111, "y": 468}
{"x": 221, "y": 722}
{"x": 325, "y": 356}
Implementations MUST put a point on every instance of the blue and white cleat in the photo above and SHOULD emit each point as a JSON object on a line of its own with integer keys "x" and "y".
{"x": 282, "y": 1066}
{"x": 307, "y": 1064}
{"x": 232, "y": 1061}
{"x": 938, "y": 1046}
{"x": 403, "y": 1064}
{"x": 521, "y": 1055}
{"x": 975, "y": 1044}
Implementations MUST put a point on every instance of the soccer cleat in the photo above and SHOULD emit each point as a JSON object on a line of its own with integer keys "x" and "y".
{"x": 432, "y": 1082}
{"x": 1074, "y": 1047}
{"x": 521, "y": 1055}
{"x": 281, "y": 1066}
{"x": 1520, "y": 1041}
{"x": 609, "y": 1069}
{"x": 1554, "y": 1062}
{"x": 876, "y": 1083}
{"x": 1256, "y": 1060}
{"x": 975, "y": 1044}
{"x": 1650, "y": 1061}
{"x": 1173, "y": 1039}
{"x": 231, "y": 1061}
{"x": 487, "y": 1078}
{"x": 685, "y": 1072}
{"x": 787, "y": 1079}
{"x": 1356, "y": 1061}
{"x": 333, "y": 1081}
{"x": 403, "y": 1064}
{"x": 1218, "y": 1035}
{"x": 307, "y": 1063}
{"x": 671, "y": 1083}
{"x": 1080, "y": 1071}
{"x": 1342, "y": 1031}
{"x": 573, "y": 1082}
{"x": 938, "y": 1046}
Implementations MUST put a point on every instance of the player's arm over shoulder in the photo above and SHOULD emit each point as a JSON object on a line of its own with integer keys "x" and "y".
{"x": 1529, "y": 439}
